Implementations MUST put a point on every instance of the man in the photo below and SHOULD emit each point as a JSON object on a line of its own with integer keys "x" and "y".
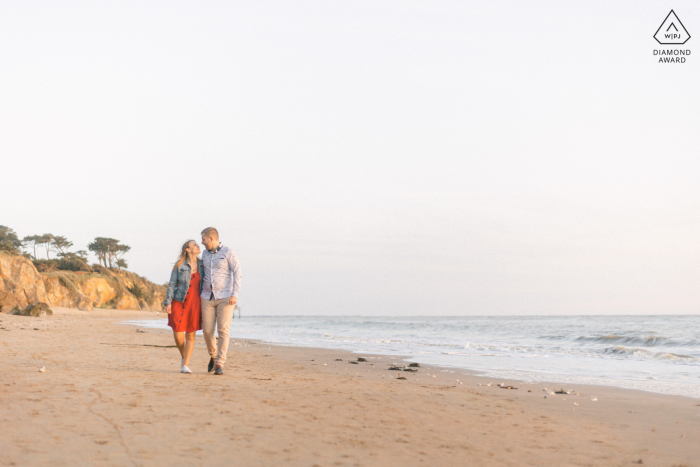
{"x": 222, "y": 281}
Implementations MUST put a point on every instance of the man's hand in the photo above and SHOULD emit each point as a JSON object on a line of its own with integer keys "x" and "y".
{"x": 232, "y": 300}
{"x": 169, "y": 309}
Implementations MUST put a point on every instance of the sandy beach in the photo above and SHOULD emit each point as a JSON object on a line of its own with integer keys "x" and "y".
{"x": 112, "y": 394}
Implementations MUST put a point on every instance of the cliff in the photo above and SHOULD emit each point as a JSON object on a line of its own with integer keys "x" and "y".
{"x": 21, "y": 284}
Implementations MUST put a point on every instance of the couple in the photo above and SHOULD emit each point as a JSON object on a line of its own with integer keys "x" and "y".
{"x": 201, "y": 295}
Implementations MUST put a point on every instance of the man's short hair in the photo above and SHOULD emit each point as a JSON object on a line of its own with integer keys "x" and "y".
{"x": 210, "y": 232}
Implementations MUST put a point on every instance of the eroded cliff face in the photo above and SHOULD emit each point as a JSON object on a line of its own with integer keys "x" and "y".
{"x": 60, "y": 295}
{"x": 21, "y": 284}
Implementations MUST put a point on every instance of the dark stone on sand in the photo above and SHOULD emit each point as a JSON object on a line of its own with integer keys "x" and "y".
{"x": 34, "y": 309}
{"x": 361, "y": 359}
{"x": 415, "y": 365}
{"x": 402, "y": 368}
{"x": 354, "y": 363}
{"x": 338, "y": 359}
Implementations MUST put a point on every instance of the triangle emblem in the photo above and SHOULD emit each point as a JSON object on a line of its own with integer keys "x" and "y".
{"x": 672, "y": 31}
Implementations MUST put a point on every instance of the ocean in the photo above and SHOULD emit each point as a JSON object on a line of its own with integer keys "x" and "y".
{"x": 650, "y": 353}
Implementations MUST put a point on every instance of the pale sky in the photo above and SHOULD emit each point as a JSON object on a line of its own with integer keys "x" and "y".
{"x": 367, "y": 157}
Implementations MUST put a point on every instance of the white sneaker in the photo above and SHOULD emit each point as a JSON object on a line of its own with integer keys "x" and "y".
{"x": 184, "y": 369}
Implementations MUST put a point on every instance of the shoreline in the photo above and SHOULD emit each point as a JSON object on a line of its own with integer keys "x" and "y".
{"x": 109, "y": 391}
{"x": 664, "y": 387}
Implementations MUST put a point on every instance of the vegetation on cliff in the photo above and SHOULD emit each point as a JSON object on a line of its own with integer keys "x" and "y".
{"x": 9, "y": 242}
{"x": 109, "y": 251}
{"x": 64, "y": 260}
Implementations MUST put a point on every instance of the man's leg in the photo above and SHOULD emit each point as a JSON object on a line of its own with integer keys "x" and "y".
{"x": 209, "y": 325}
{"x": 223, "y": 323}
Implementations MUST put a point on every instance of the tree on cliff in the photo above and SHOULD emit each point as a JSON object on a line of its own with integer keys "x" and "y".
{"x": 30, "y": 241}
{"x": 82, "y": 254}
{"x": 8, "y": 240}
{"x": 108, "y": 250}
{"x": 119, "y": 253}
{"x": 47, "y": 241}
{"x": 100, "y": 248}
{"x": 60, "y": 245}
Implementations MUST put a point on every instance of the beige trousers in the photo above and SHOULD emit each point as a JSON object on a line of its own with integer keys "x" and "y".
{"x": 217, "y": 314}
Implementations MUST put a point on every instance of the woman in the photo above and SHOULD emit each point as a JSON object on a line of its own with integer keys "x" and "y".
{"x": 182, "y": 300}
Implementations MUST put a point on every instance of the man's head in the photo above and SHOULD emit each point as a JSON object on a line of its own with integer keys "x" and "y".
{"x": 210, "y": 238}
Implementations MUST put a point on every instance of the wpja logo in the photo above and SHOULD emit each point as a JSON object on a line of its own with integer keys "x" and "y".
{"x": 672, "y": 32}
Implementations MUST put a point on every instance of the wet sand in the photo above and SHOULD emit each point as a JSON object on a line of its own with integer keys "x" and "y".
{"x": 112, "y": 394}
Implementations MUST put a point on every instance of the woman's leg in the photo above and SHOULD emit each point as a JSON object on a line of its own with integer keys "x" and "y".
{"x": 189, "y": 347}
{"x": 180, "y": 342}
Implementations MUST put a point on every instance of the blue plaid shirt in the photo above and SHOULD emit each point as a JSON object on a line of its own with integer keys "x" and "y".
{"x": 222, "y": 273}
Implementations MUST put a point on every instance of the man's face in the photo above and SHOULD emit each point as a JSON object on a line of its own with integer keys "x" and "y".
{"x": 208, "y": 242}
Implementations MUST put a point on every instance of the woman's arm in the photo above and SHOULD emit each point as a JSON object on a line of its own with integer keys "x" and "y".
{"x": 171, "y": 290}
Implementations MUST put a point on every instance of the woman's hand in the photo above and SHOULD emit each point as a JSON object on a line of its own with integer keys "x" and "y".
{"x": 169, "y": 309}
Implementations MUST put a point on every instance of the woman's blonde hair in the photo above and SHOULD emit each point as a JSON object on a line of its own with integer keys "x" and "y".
{"x": 183, "y": 255}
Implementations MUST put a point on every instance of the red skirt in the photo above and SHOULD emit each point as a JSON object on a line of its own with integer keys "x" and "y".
{"x": 186, "y": 316}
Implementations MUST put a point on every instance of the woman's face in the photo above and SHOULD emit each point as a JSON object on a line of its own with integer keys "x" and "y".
{"x": 193, "y": 248}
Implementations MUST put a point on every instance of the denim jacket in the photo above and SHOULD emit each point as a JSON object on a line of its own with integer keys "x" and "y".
{"x": 180, "y": 282}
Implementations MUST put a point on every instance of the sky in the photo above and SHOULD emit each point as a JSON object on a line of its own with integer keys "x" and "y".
{"x": 367, "y": 157}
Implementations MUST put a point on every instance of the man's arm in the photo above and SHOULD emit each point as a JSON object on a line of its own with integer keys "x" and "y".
{"x": 235, "y": 268}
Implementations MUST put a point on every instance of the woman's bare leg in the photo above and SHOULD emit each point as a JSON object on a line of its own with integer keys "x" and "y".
{"x": 188, "y": 348}
{"x": 180, "y": 342}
